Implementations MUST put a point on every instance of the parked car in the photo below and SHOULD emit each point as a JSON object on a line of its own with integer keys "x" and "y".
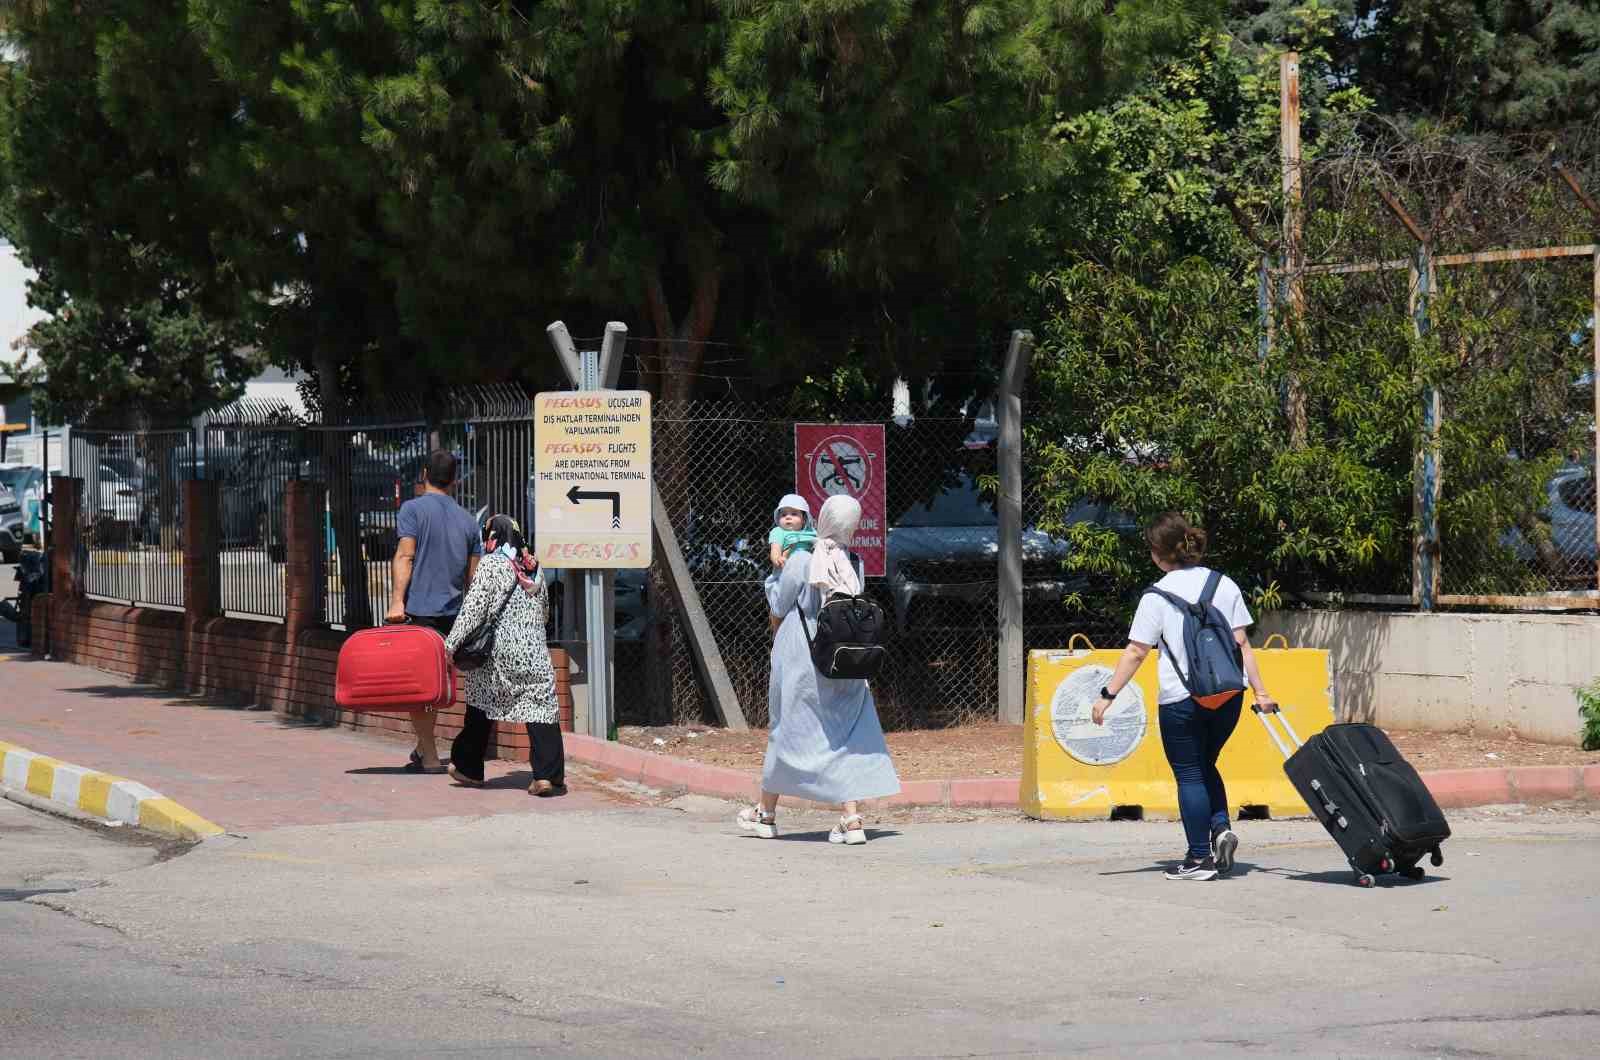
{"x": 27, "y": 484}
{"x": 162, "y": 495}
{"x": 12, "y": 524}
{"x": 113, "y": 498}
{"x": 943, "y": 558}
{"x": 1564, "y": 545}
{"x": 465, "y": 487}
{"x": 630, "y": 600}
{"x": 253, "y": 479}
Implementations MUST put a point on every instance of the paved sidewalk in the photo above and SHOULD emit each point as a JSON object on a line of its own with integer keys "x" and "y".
{"x": 245, "y": 769}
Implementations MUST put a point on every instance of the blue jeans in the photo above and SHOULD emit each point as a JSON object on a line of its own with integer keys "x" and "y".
{"x": 1193, "y": 737}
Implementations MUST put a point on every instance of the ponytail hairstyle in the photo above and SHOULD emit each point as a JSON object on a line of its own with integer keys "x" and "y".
{"x": 1173, "y": 540}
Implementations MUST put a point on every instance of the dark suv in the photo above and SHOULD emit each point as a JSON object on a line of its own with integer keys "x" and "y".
{"x": 944, "y": 556}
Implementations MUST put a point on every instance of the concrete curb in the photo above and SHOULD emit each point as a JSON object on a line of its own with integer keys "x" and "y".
{"x": 1453, "y": 788}
{"x": 48, "y": 783}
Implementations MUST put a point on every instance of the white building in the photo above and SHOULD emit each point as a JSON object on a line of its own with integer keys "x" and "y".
{"x": 16, "y": 317}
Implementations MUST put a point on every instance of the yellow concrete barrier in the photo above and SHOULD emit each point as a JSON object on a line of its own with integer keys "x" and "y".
{"x": 1073, "y": 769}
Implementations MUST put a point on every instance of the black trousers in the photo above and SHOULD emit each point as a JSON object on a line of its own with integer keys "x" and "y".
{"x": 546, "y": 754}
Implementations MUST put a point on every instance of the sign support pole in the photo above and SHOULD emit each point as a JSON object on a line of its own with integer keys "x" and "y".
{"x": 596, "y": 370}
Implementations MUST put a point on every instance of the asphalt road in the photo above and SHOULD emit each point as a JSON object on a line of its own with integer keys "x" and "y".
{"x": 661, "y": 931}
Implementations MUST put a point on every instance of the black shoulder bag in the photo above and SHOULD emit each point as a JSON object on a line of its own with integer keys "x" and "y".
{"x": 472, "y": 653}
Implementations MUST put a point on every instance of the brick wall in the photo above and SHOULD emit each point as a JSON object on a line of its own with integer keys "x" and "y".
{"x": 286, "y": 667}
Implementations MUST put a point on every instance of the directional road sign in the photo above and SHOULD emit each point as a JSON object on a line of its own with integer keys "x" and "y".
{"x": 591, "y": 478}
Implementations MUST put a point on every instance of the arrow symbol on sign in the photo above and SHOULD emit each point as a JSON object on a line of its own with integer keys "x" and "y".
{"x": 576, "y": 496}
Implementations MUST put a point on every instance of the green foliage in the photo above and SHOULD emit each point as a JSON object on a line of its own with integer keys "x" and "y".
{"x": 1195, "y": 425}
{"x": 99, "y": 197}
{"x": 1589, "y": 711}
{"x": 1153, "y": 396}
{"x": 1511, "y": 66}
{"x": 163, "y": 360}
{"x": 405, "y": 193}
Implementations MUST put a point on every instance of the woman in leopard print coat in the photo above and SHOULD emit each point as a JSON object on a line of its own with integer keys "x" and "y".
{"x": 518, "y": 683}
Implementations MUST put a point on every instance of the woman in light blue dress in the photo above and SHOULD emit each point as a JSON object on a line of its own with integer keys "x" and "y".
{"x": 824, "y": 741}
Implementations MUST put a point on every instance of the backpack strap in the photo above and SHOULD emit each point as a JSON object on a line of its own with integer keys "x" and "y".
{"x": 803, "y": 627}
{"x": 1173, "y": 598}
{"x": 1213, "y": 580}
{"x": 1182, "y": 605}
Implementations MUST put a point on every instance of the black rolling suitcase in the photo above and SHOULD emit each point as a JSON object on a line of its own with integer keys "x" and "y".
{"x": 1367, "y": 796}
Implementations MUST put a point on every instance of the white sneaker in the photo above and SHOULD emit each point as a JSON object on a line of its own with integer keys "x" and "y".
{"x": 843, "y": 833}
{"x": 752, "y": 820}
{"x": 1223, "y": 846}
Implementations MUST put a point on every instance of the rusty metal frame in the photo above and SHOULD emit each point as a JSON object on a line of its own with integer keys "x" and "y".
{"x": 1290, "y": 273}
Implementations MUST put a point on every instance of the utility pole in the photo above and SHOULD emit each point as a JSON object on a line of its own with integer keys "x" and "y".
{"x": 1013, "y": 661}
{"x": 1293, "y": 229}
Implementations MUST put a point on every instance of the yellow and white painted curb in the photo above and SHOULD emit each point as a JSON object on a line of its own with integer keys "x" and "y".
{"x": 77, "y": 791}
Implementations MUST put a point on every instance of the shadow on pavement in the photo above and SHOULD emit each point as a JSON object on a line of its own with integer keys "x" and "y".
{"x": 1240, "y": 869}
{"x": 822, "y": 837}
{"x": 22, "y": 894}
{"x": 390, "y": 771}
{"x": 202, "y": 700}
{"x": 149, "y": 692}
{"x": 1347, "y": 878}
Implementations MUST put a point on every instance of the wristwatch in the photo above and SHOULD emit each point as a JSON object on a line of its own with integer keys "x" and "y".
{"x": 1106, "y": 693}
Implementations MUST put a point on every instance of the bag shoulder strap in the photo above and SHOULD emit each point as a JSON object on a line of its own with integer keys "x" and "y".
{"x": 1213, "y": 580}
{"x": 506, "y": 600}
{"x": 1187, "y": 608}
{"x": 803, "y": 628}
{"x": 1172, "y": 598}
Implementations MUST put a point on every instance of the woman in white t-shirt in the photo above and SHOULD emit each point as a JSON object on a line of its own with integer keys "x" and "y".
{"x": 1192, "y": 735}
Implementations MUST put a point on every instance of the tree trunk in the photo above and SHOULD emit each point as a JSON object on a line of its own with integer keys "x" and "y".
{"x": 336, "y": 472}
{"x": 673, "y": 367}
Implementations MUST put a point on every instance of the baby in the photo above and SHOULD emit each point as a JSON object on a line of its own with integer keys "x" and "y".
{"x": 791, "y": 530}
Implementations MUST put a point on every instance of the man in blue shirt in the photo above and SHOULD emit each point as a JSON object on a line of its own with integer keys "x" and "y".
{"x": 437, "y": 555}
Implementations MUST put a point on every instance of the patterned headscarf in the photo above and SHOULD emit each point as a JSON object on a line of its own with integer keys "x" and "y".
{"x": 502, "y": 535}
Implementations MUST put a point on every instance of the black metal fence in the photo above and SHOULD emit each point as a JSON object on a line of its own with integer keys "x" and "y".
{"x": 370, "y": 461}
{"x": 130, "y": 515}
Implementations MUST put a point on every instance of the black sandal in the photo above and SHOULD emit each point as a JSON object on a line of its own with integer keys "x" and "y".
{"x": 414, "y": 765}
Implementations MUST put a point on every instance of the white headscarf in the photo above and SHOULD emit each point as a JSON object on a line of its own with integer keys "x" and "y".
{"x": 831, "y": 569}
{"x": 798, "y": 503}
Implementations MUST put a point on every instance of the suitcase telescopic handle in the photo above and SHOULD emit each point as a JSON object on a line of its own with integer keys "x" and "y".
{"x": 1288, "y": 729}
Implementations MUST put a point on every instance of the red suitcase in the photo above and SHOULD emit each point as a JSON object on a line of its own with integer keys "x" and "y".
{"x": 401, "y": 667}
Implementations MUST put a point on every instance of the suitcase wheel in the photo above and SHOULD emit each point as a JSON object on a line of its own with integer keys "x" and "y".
{"x": 1365, "y": 880}
{"x": 1436, "y": 859}
{"x": 1415, "y": 872}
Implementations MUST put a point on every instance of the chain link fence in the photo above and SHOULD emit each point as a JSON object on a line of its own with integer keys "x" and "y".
{"x": 1473, "y": 263}
{"x": 722, "y": 467}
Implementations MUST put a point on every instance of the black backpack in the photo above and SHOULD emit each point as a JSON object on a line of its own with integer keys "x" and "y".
{"x": 850, "y": 635}
{"x": 1216, "y": 664}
